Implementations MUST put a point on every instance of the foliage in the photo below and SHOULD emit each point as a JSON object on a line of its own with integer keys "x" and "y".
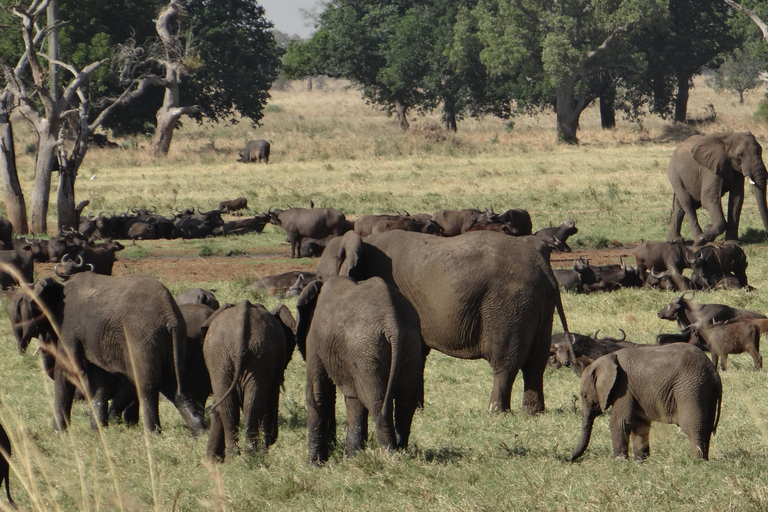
{"x": 739, "y": 73}
{"x": 562, "y": 54}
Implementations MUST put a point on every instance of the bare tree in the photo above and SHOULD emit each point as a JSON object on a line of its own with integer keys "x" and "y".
{"x": 752, "y": 15}
{"x": 49, "y": 114}
{"x": 169, "y": 28}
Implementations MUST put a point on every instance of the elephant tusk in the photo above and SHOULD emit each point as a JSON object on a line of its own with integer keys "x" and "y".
{"x": 751, "y": 181}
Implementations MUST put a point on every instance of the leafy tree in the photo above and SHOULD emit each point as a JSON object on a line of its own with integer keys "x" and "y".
{"x": 739, "y": 73}
{"x": 561, "y": 52}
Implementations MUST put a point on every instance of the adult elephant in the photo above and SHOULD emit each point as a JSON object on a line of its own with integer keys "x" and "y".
{"x": 706, "y": 167}
{"x": 479, "y": 295}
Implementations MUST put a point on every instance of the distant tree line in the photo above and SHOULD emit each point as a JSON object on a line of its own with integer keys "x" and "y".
{"x": 510, "y": 57}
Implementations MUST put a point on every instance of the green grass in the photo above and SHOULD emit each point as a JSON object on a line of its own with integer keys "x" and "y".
{"x": 341, "y": 153}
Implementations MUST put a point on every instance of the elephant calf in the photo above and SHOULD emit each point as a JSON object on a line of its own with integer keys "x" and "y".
{"x": 364, "y": 337}
{"x": 246, "y": 350}
{"x": 673, "y": 383}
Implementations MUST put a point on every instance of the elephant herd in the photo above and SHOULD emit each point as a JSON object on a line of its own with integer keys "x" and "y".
{"x": 387, "y": 292}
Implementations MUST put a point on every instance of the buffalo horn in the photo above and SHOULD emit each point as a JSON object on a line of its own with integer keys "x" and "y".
{"x": 66, "y": 258}
{"x": 623, "y": 335}
{"x": 56, "y": 271}
{"x": 569, "y": 223}
{"x": 594, "y": 336}
{"x": 79, "y": 261}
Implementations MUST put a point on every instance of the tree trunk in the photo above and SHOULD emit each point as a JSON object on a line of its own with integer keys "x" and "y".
{"x": 65, "y": 200}
{"x": 449, "y": 119}
{"x": 46, "y": 160}
{"x": 16, "y": 209}
{"x": 741, "y": 97}
{"x": 161, "y": 140}
{"x": 401, "y": 110}
{"x": 681, "y": 100}
{"x": 567, "y": 114}
{"x": 309, "y": 83}
{"x": 607, "y": 110}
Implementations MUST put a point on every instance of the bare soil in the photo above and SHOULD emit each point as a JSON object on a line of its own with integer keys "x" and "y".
{"x": 262, "y": 262}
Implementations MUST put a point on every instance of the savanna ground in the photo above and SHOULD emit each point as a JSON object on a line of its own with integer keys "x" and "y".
{"x": 329, "y": 147}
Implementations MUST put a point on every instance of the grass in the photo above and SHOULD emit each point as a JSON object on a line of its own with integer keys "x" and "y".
{"x": 329, "y": 147}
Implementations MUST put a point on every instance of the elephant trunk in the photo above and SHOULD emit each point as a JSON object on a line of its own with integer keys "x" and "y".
{"x": 586, "y": 432}
{"x": 759, "y": 190}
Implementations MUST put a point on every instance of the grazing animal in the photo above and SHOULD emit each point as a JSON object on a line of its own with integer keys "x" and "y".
{"x": 706, "y": 167}
{"x": 710, "y": 264}
{"x": 5, "y": 473}
{"x": 198, "y": 296}
{"x": 480, "y": 295}
{"x": 518, "y": 219}
{"x": 456, "y": 222}
{"x": 364, "y": 338}
{"x": 255, "y": 151}
{"x": 674, "y": 383}
{"x": 689, "y": 312}
{"x": 730, "y": 338}
{"x": 99, "y": 337}
{"x": 301, "y": 223}
{"x": 556, "y": 236}
{"x": 672, "y": 256}
{"x": 364, "y": 224}
{"x": 234, "y": 205}
{"x": 246, "y": 350}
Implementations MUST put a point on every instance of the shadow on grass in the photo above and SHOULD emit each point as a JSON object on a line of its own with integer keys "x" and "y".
{"x": 754, "y": 236}
{"x": 444, "y": 455}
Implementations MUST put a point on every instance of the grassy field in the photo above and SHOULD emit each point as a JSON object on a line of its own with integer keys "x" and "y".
{"x": 329, "y": 147}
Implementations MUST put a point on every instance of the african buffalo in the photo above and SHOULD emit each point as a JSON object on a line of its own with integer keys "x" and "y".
{"x": 689, "y": 312}
{"x": 241, "y": 203}
{"x": 255, "y": 151}
{"x": 672, "y": 256}
{"x": 308, "y": 223}
{"x": 556, "y": 236}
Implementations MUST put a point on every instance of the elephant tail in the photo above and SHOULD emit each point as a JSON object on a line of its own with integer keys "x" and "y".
{"x": 245, "y": 336}
{"x": 719, "y": 394}
{"x": 387, "y": 408}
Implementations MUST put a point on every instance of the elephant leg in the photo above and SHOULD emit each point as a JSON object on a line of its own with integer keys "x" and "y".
{"x": 189, "y": 412}
{"x": 125, "y": 405}
{"x": 715, "y": 359}
{"x": 357, "y": 425}
{"x": 502, "y": 390}
{"x": 215, "y": 449}
{"x": 699, "y": 438}
{"x": 735, "y": 203}
{"x": 405, "y": 408}
{"x": 229, "y": 413}
{"x": 256, "y": 401}
{"x": 641, "y": 447}
{"x": 619, "y": 436}
{"x": 148, "y": 400}
{"x": 675, "y": 220}
{"x": 688, "y": 207}
{"x": 269, "y": 420}
{"x": 321, "y": 416}
{"x": 64, "y": 394}
{"x": 533, "y": 382}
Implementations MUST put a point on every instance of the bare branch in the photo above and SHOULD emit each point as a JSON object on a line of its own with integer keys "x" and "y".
{"x": 752, "y": 15}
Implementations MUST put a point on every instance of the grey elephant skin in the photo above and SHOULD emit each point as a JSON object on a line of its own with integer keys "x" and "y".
{"x": 364, "y": 338}
{"x": 706, "y": 167}
{"x": 674, "y": 383}
{"x": 480, "y": 295}
{"x": 246, "y": 350}
{"x": 128, "y": 326}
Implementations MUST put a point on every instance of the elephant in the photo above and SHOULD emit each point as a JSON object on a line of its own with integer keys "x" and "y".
{"x": 706, "y": 167}
{"x": 5, "y": 447}
{"x": 674, "y": 383}
{"x": 114, "y": 330}
{"x": 480, "y": 295}
{"x": 363, "y": 337}
{"x": 246, "y": 350}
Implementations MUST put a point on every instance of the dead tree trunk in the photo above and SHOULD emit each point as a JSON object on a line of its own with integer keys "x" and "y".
{"x": 16, "y": 209}
{"x": 681, "y": 100}
{"x": 168, "y": 28}
{"x": 401, "y": 110}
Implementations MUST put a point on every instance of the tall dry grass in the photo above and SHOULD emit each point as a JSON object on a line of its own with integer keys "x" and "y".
{"x": 330, "y": 147}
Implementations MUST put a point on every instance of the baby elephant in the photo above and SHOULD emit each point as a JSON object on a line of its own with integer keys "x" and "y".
{"x": 246, "y": 350}
{"x": 732, "y": 338}
{"x": 366, "y": 339}
{"x": 673, "y": 383}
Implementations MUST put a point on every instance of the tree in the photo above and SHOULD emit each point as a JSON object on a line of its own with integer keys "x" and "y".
{"x": 563, "y": 49}
{"x": 740, "y": 73}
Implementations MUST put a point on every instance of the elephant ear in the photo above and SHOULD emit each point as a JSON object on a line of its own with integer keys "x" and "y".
{"x": 288, "y": 324}
{"x": 606, "y": 374}
{"x": 353, "y": 246}
{"x": 711, "y": 152}
{"x": 305, "y": 308}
